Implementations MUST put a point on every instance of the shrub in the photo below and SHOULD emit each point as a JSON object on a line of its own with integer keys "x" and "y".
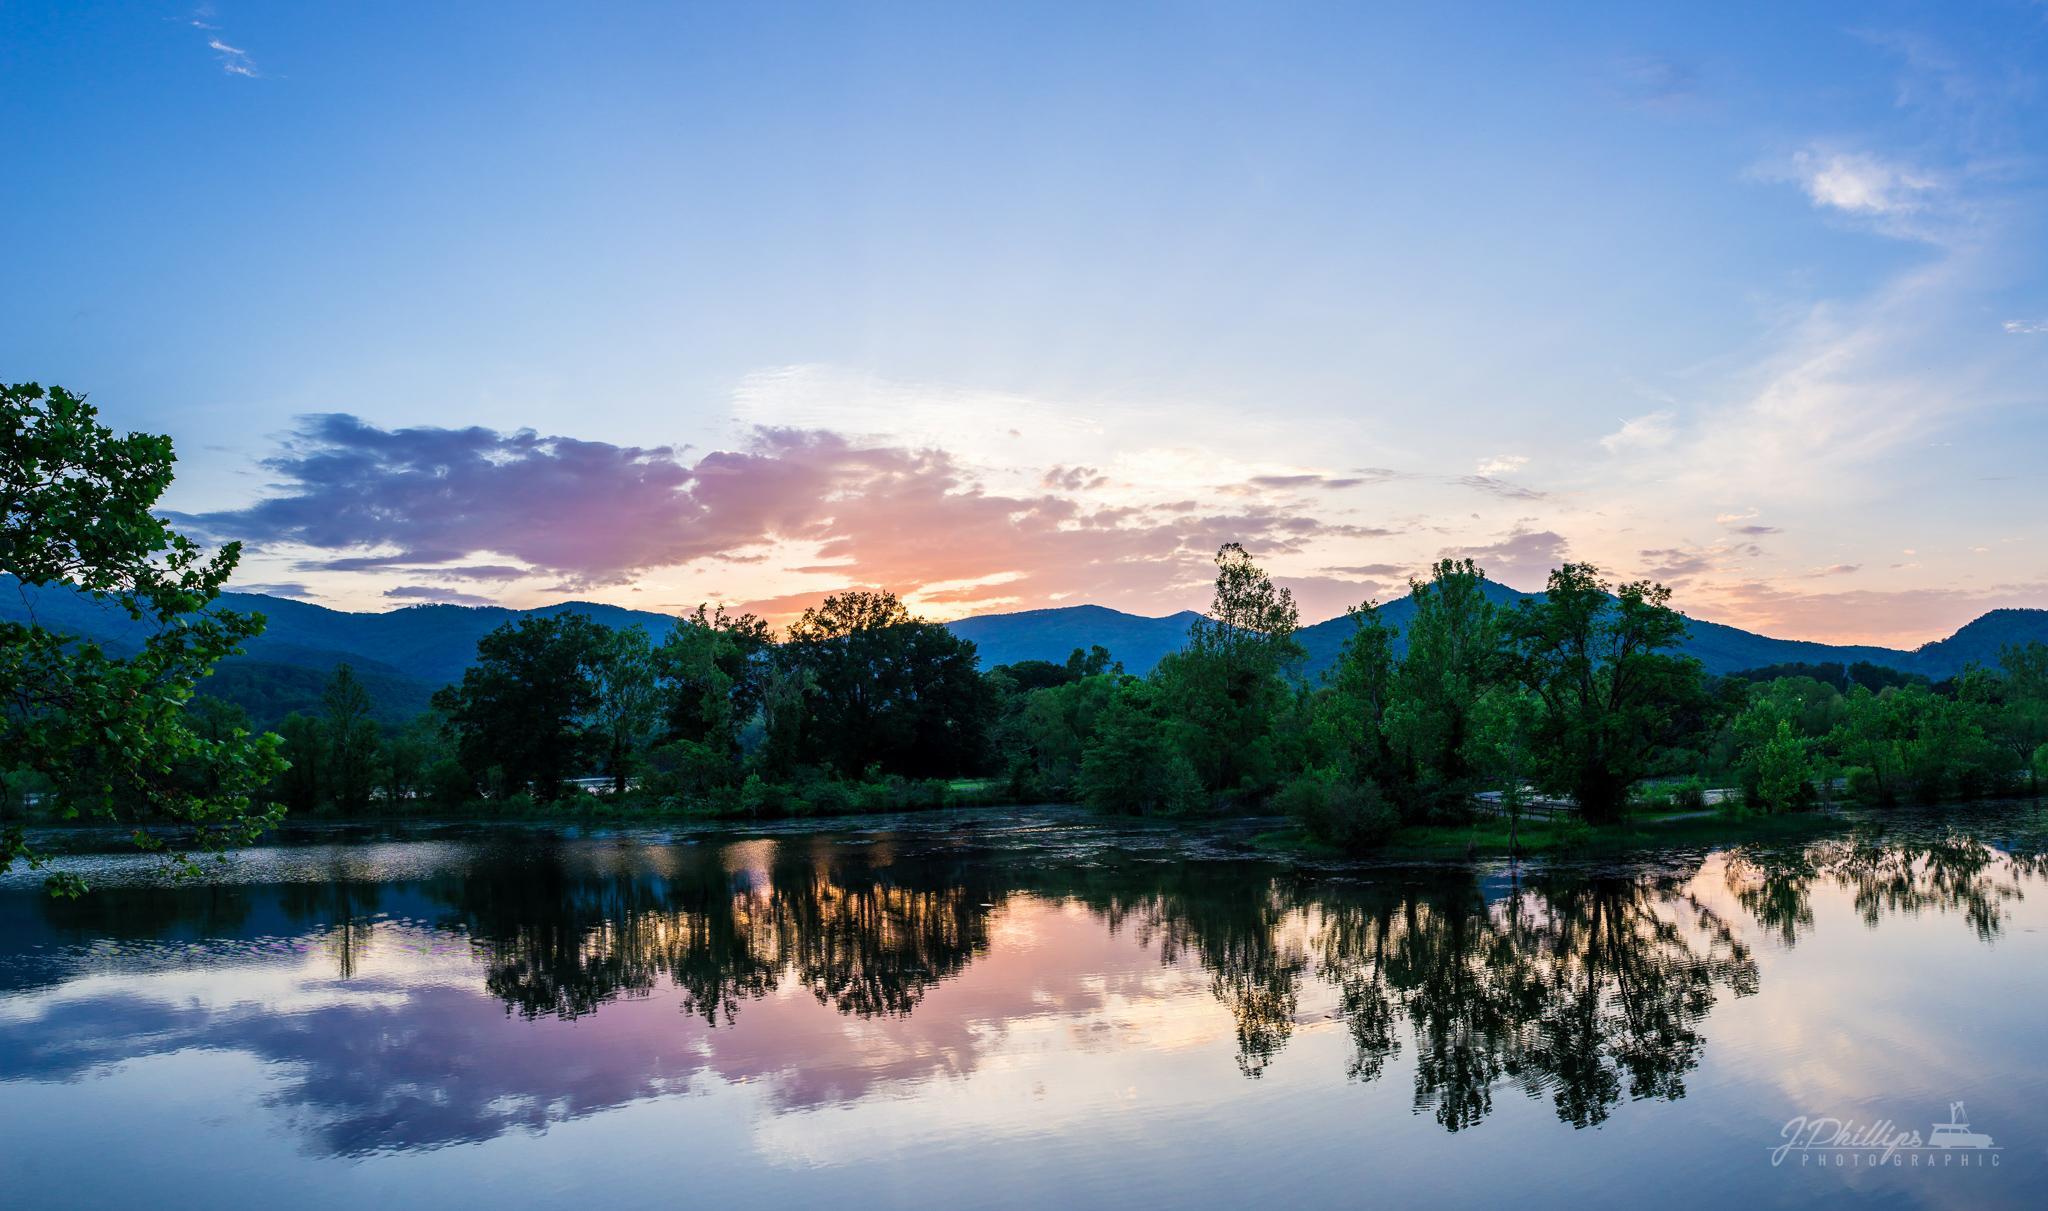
{"x": 829, "y": 798}
{"x": 1689, "y": 795}
{"x": 1351, "y": 816}
{"x": 1864, "y": 785}
{"x": 1130, "y": 766}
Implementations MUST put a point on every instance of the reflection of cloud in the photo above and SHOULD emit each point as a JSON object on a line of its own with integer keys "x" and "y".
{"x": 382, "y": 1063}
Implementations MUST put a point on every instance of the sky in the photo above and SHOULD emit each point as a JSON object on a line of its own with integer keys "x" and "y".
{"x": 1011, "y": 306}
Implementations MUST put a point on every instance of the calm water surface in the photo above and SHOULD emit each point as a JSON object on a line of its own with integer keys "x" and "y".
{"x": 1024, "y": 1010}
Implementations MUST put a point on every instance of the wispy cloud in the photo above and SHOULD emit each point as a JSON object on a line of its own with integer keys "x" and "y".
{"x": 1499, "y": 487}
{"x": 233, "y": 60}
{"x": 291, "y": 589}
{"x": 435, "y": 595}
{"x": 2026, "y": 327}
{"x": 1501, "y": 464}
{"x": 1640, "y": 433}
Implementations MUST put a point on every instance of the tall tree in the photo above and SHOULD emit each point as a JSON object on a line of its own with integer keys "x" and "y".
{"x": 1453, "y": 661}
{"x": 1609, "y": 690}
{"x": 888, "y": 690}
{"x": 351, "y": 740}
{"x": 711, "y": 674}
{"x": 2021, "y": 720}
{"x": 1225, "y": 689}
{"x": 522, "y": 709}
{"x": 1351, "y": 719}
{"x": 625, "y": 701}
{"x": 302, "y": 784}
{"x": 110, "y": 733}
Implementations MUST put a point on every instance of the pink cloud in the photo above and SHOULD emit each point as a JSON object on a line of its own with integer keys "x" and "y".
{"x": 594, "y": 514}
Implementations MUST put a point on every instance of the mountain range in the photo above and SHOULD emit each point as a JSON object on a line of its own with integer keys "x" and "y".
{"x": 404, "y": 654}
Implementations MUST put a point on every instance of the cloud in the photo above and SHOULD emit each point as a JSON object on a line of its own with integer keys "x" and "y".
{"x": 1370, "y": 571}
{"x": 1840, "y": 569}
{"x": 1523, "y": 559}
{"x": 838, "y": 510}
{"x": 1502, "y": 464}
{"x": 1072, "y": 479}
{"x": 1311, "y": 480}
{"x": 1673, "y": 563}
{"x": 233, "y": 59}
{"x": 2026, "y": 327}
{"x": 1745, "y": 523}
{"x": 435, "y": 595}
{"x": 1498, "y": 487}
{"x": 1862, "y": 184}
{"x": 1641, "y": 433}
{"x": 290, "y": 589}
{"x": 1897, "y": 618}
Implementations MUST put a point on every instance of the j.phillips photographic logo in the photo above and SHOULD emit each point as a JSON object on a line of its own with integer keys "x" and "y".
{"x": 1821, "y": 1141}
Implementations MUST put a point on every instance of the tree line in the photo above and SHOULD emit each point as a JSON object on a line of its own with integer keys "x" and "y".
{"x": 1580, "y": 695}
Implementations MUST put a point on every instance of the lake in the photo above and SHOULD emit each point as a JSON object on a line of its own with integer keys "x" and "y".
{"x": 1029, "y": 1008}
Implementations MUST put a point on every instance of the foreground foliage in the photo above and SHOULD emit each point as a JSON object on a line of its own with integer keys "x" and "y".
{"x": 107, "y": 735}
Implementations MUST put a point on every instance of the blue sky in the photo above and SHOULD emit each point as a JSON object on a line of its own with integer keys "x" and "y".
{"x": 1016, "y": 305}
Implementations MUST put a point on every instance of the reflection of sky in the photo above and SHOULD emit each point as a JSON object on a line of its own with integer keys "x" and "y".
{"x": 1065, "y": 1061}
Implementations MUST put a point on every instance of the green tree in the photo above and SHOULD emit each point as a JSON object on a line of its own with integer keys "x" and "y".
{"x": 523, "y": 708}
{"x": 1503, "y": 750}
{"x": 1871, "y": 740}
{"x": 351, "y": 772}
{"x": 405, "y": 759}
{"x": 711, "y": 677}
{"x": 2020, "y": 722}
{"x": 1224, "y": 691}
{"x": 1056, "y": 726}
{"x": 1349, "y": 728}
{"x": 1453, "y": 662}
{"x": 888, "y": 690}
{"x": 625, "y": 703}
{"x": 110, "y": 734}
{"x": 1783, "y": 769}
{"x": 302, "y": 783}
{"x": 1131, "y": 766}
{"x": 1609, "y": 692}
{"x": 1808, "y": 709}
{"x": 1090, "y": 663}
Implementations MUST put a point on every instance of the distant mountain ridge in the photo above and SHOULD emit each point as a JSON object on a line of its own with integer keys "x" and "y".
{"x": 410, "y": 651}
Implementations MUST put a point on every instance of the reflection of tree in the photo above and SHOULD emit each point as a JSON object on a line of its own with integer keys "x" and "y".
{"x": 1883, "y": 874}
{"x": 1626, "y": 969}
{"x": 1579, "y": 990}
{"x": 1232, "y": 920}
{"x": 868, "y": 940}
{"x": 1574, "y": 989}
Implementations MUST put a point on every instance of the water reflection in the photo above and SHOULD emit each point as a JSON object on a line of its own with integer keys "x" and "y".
{"x": 514, "y": 984}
